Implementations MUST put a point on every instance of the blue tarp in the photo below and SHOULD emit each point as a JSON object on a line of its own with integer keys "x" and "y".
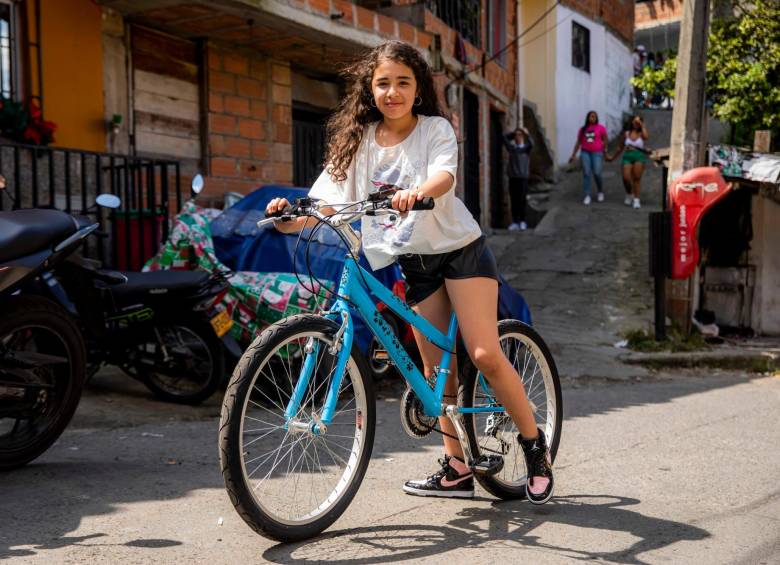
{"x": 242, "y": 246}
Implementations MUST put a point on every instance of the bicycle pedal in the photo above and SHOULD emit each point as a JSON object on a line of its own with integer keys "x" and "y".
{"x": 487, "y": 465}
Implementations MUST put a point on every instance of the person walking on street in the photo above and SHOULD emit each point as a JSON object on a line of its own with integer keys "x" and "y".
{"x": 592, "y": 140}
{"x": 632, "y": 145}
{"x": 519, "y": 145}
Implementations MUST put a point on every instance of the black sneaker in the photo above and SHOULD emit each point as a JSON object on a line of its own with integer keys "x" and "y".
{"x": 539, "y": 486}
{"x": 446, "y": 482}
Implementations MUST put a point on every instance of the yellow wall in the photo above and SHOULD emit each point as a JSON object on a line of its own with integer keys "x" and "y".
{"x": 537, "y": 62}
{"x": 72, "y": 61}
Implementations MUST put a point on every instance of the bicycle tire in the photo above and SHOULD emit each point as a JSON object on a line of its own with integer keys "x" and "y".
{"x": 471, "y": 386}
{"x": 244, "y": 382}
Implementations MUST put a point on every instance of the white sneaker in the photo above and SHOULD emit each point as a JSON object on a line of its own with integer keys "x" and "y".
{"x": 523, "y": 226}
{"x": 637, "y": 205}
{"x": 627, "y": 200}
{"x": 514, "y": 226}
{"x": 600, "y": 197}
{"x": 587, "y": 200}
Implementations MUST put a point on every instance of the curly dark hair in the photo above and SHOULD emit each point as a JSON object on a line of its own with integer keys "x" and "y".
{"x": 346, "y": 125}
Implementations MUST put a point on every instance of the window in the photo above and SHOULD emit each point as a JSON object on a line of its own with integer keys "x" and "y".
{"x": 9, "y": 78}
{"x": 580, "y": 47}
{"x": 496, "y": 32}
{"x": 464, "y": 16}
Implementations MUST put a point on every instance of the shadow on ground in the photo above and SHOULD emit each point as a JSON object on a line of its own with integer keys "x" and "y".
{"x": 504, "y": 524}
{"x": 96, "y": 468}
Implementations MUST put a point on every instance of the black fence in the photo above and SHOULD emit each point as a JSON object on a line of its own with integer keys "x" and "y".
{"x": 70, "y": 180}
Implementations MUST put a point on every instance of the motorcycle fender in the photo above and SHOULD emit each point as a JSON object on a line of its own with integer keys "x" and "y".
{"x": 231, "y": 345}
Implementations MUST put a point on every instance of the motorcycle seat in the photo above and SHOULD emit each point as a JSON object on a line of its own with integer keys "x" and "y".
{"x": 24, "y": 232}
{"x": 160, "y": 282}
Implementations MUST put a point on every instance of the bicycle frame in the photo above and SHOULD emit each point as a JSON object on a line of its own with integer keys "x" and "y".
{"x": 354, "y": 280}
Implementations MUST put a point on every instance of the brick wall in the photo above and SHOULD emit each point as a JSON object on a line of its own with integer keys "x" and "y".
{"x": 503, "y": 78}
{"x": 618, "y": 15}
{"x": 647, "y": 14}
{"x": 249, "y": 121}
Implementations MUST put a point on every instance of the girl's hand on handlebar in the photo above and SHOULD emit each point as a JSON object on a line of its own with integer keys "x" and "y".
{"x": 403, "y": 200}
{"x": 276, "y": 205}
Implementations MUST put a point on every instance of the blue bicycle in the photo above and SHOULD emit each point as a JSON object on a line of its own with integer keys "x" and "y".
{"x": 298, "y": 418}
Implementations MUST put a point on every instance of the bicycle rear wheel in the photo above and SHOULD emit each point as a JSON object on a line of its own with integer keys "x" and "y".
{"x": 287, "y": 481}
{"x": 494, "y": 433}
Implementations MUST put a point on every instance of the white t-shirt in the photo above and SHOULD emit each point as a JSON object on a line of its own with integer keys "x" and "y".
{"x": 430, "y": 148}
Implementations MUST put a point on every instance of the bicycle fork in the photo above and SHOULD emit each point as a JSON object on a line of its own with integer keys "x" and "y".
{"x": 341, "y": 348}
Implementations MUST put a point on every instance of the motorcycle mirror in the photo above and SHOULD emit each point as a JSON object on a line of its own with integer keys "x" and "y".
{"x": 108, "y": 201}
{"x": 197, "y": 183}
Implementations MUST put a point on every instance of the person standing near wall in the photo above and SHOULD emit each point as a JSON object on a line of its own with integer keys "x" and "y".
{"x": 592, "y": 139}
{"x": 519, "y": 145}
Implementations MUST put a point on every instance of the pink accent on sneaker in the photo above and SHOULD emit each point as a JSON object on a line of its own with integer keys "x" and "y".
{"x": 446, "y": 483}
{"x": 459, "y": 466}
{"x": 537, "y": 485}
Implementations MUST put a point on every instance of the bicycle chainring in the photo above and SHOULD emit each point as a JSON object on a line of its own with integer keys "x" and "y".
{"x": 413, "y": 419}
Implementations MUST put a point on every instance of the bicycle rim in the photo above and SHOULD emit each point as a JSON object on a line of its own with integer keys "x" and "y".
{"x": 495, "y": 432}
{"x": 295, "y": 476}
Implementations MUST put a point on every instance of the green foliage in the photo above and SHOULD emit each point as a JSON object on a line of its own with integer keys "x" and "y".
{"x": 676, "y": 341}
{"x": 743, "y": 67}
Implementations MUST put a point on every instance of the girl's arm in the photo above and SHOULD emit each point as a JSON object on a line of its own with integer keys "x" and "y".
{"x": 436, "y": 185}
{"x": 619, "y": 149}
{"x": 604, "y": 140}
{"x": 576, "y": 148}
{"x": 645, "y": 135}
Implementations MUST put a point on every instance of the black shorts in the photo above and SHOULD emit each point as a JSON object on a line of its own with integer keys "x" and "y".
{"x": 425, "y": 274}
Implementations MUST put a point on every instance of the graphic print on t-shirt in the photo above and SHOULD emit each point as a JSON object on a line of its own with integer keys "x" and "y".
{"x": 590, "y": 136}
{"x": 397, "y": 233}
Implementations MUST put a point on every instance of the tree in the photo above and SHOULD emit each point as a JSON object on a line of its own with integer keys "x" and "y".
{"x": 743, "y": 68}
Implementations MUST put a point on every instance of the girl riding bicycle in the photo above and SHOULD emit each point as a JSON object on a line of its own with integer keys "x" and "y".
{"x": 390, "y": 129}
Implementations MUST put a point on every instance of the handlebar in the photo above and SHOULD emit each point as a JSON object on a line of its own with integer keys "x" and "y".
{"x": 377, "y": 204}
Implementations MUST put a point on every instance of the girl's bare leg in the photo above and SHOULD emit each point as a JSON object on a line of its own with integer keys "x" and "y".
{"x": 475, "y": 301}
{"x": 636, "y": 178}
{"x": 437, "y": 309}
{"x": 628, "y": 180}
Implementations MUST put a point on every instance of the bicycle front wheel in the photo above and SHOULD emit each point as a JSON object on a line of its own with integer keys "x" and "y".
{"x": 287, "y": 480}
{"x": 494, "y": 433}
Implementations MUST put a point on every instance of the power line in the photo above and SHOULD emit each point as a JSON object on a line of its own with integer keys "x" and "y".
{"x": 515, "y": 40}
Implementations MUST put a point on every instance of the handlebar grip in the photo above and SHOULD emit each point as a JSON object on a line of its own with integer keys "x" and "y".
{"x": 279, "y": 213}
{"x": 424, "y": 204}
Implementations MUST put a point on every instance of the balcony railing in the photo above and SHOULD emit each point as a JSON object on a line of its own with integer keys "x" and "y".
{"x": 461, "y": 15}
{"x": 70, "y": 180}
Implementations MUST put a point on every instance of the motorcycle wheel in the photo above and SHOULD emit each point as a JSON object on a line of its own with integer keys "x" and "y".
{"x": 42, "y": 350}
{"x": 181, "y": 362}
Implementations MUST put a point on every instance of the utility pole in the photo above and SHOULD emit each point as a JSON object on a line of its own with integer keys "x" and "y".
{"x": 689, "y": 129}
{"x": 689, "y": 124}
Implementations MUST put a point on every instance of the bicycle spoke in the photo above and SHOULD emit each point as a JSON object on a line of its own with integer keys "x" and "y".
{"x": 295, "y": 474}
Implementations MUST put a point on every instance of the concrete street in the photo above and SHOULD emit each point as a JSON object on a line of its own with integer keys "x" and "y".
{"x": 681, "y": 469}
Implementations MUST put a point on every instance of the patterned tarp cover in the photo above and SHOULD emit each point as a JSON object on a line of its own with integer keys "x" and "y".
{"x": 253, "y": 300}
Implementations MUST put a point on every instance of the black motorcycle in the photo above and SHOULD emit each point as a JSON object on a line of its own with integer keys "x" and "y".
{"x": 42, "y": 353}
{"x": 159, "y": 327}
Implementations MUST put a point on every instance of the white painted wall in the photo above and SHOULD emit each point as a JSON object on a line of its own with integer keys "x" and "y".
{"x": 604, "y": 89}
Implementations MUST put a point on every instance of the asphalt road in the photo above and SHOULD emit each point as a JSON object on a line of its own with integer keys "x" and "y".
{"x": 669, "y": 470}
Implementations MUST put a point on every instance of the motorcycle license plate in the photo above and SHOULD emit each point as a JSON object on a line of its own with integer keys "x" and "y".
{"x": 221, "y": 323}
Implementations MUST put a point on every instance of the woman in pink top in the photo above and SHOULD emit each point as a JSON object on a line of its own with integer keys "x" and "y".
{"x": 592, "y": 139}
